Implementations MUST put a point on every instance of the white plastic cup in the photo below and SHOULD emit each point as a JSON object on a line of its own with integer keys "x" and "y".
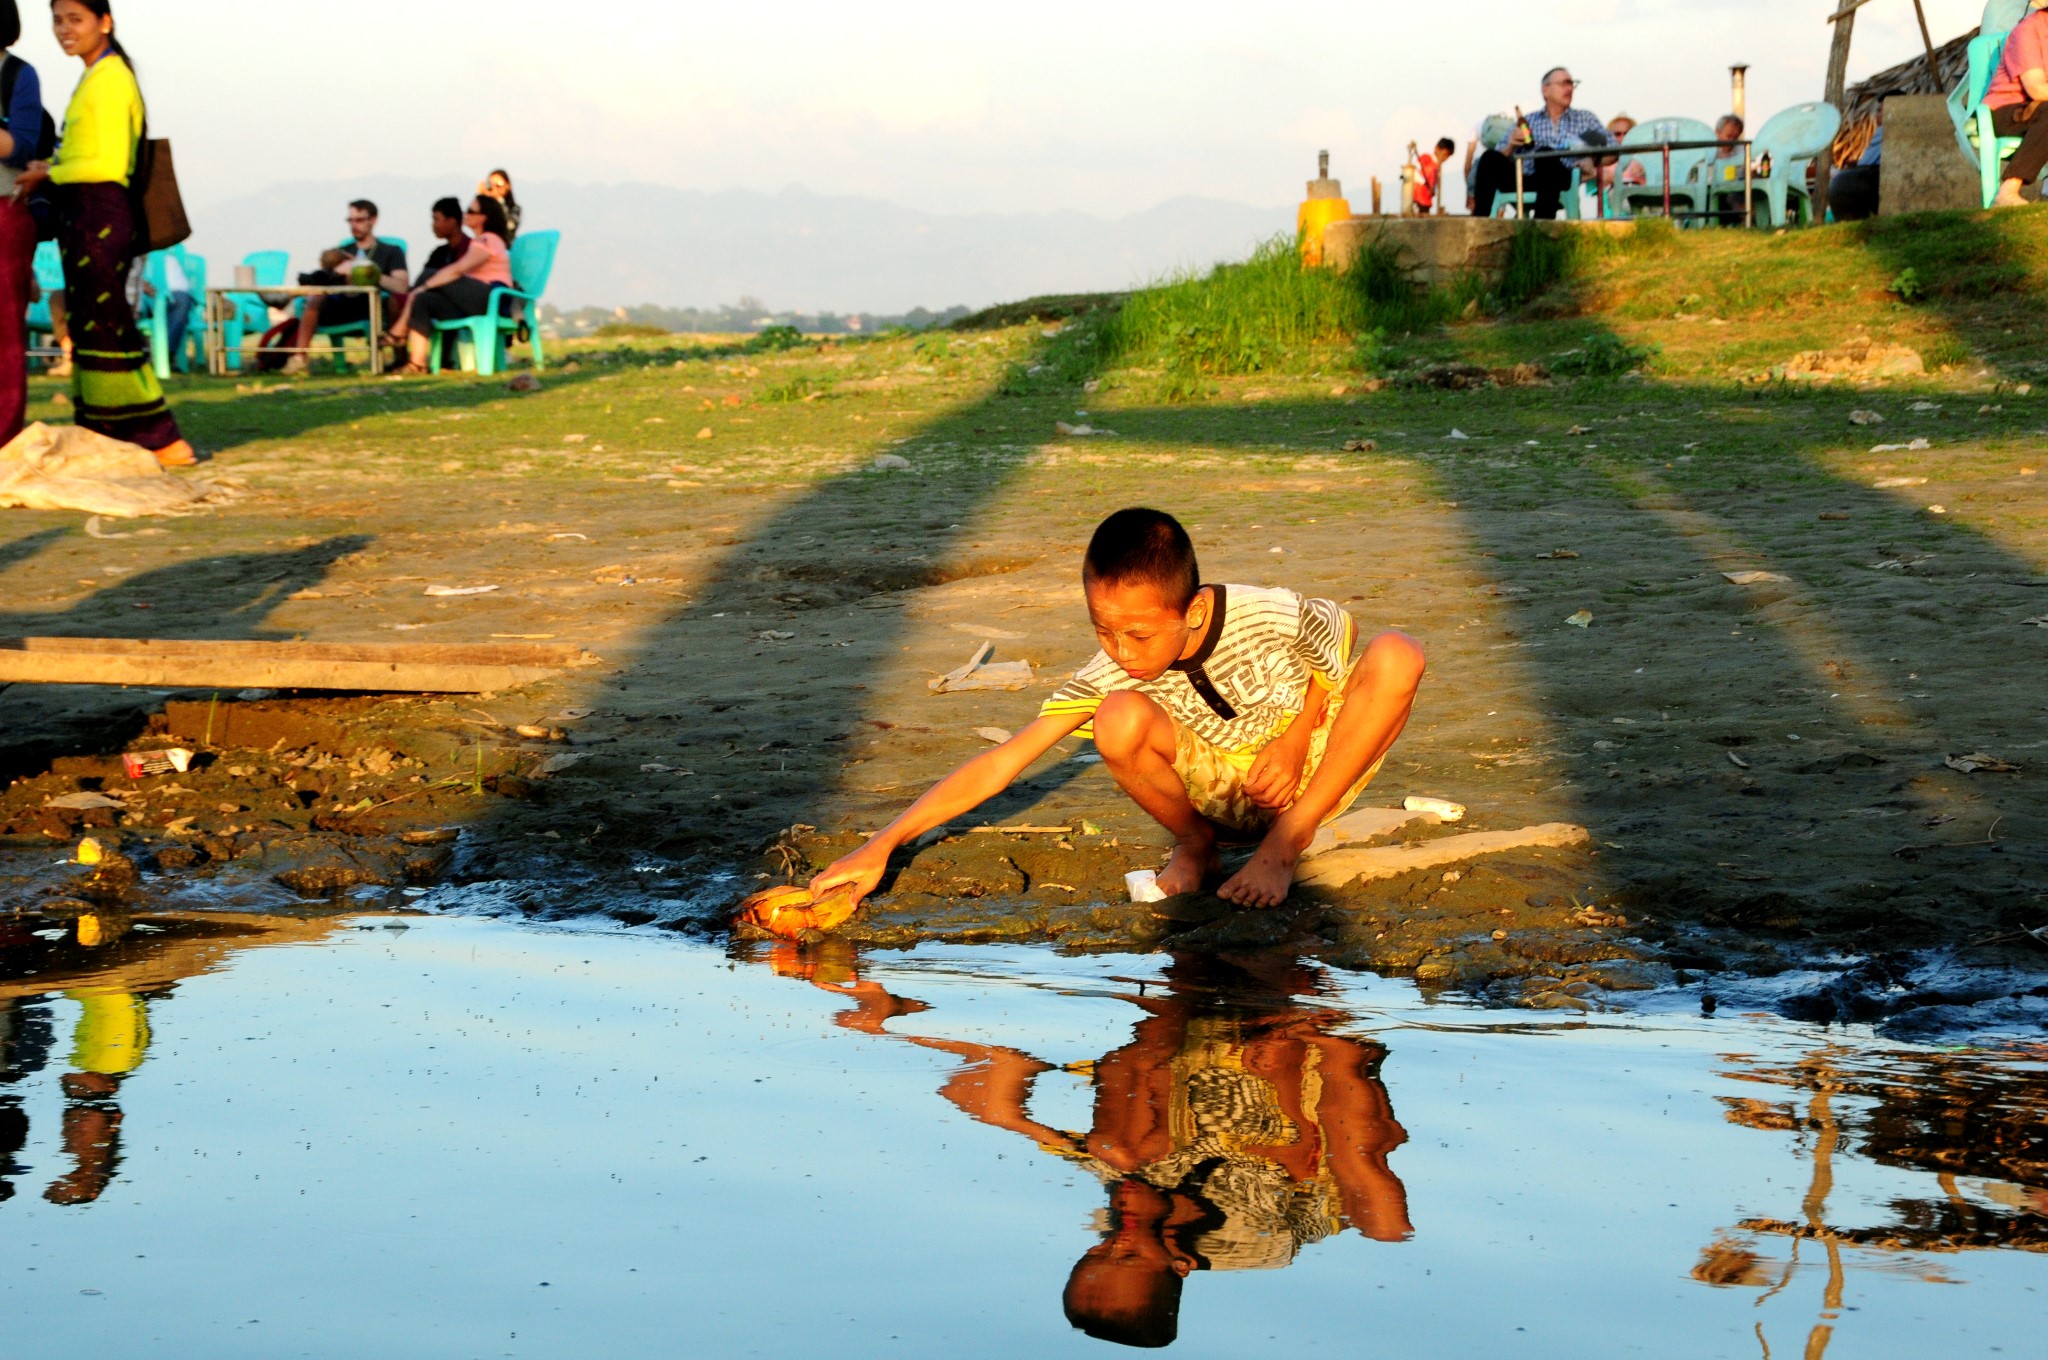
{"x": 245, "y": 276}
{"x": 1442, "y": 807}
{"x": 1143, "y": 885}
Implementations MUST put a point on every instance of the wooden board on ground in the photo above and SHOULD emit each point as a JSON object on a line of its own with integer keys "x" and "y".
{"x": 1339, "y": 867}
{"x": 379, "y": 668}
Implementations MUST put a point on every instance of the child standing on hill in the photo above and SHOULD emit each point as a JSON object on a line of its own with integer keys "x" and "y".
{"x": 1220, "y": 709}
{"x": 1430, "y": 176}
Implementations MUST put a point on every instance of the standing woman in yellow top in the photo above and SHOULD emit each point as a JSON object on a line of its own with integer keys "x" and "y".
{"x": 113, "y": 385}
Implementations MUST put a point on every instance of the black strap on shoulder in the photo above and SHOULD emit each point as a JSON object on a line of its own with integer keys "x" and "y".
{"x": 1211, "y": 696}
{"x": 10, "y": 73}
{"x": 1192, "y": 668}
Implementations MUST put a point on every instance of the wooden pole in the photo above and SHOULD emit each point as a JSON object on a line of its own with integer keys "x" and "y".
{"x": 1927, "y": 39}
{"x": 1838, "y": 76}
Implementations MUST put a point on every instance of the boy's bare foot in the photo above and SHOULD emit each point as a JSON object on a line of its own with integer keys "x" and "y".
{"x": 1189, "y": 867}
{"x": 1267, "y": 879}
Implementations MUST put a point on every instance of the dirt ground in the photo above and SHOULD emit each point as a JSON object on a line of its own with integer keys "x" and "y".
{"x": 1770, "y": 767}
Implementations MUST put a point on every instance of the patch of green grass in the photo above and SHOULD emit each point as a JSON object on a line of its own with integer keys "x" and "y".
{"x": 802, "y": 387}
{"x": 629, "y": 330}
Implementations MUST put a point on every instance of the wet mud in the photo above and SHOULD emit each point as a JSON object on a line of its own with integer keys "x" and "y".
{"x": 297, "y": 803}
{"x": 293, "y": 803}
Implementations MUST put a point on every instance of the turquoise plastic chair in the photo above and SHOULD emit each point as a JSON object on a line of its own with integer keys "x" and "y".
{"x": 152, "y": 316}
{"x": 480, "y": 341}
{"x": 247, "y": 313}
{"x": 1687, "y": 192}
{"x": 191, "y": 355}
{"x": 1525, "y": 202}
{"x": 1793, "y": 139}
{"x": 49, "y": 270}
{"x": 334, "y": 335}
{"x": 1973, "y": 121}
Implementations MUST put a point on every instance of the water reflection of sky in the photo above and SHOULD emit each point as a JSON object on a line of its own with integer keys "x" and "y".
{"x": 471, "y": 1138}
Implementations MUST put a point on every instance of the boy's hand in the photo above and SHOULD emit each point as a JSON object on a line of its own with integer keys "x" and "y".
{"x": 1276, "y": 773}
{"x": 863, "y": 869}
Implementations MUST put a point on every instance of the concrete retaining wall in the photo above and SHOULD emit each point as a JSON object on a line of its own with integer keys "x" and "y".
{"x": 1435, "y": 250}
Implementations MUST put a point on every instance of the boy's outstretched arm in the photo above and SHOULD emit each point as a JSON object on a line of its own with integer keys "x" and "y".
{"x": 967, "y": 788}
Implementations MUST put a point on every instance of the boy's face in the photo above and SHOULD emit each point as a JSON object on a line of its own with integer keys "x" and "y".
{"x": 1129, "y": 1286}
{"x": 1139, "y": 628}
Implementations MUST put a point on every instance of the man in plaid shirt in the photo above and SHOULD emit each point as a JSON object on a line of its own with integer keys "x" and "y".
{"x": 1557, "y": 126}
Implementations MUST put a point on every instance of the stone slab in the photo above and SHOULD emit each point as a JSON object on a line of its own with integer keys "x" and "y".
{"x": 1924, "y": 168}
{"x": 1339, "y": 867}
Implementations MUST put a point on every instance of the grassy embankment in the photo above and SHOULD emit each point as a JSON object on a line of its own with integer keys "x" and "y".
{"x": 1963, "y": 290}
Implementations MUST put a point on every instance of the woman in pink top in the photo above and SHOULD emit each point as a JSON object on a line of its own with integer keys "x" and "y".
{"x": 460, "y": 290}
{"x": 2015, "y": 99}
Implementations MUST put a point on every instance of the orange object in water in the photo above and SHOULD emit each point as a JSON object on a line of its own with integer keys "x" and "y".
{"x": 1325, "y": 204}
{"x": 788, "y": 911}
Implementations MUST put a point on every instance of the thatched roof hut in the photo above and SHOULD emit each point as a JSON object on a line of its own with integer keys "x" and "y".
{"x": 1863, "y": 101}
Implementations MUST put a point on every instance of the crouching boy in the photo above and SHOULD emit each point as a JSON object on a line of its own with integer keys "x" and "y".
{"x": 1224, "y": 711}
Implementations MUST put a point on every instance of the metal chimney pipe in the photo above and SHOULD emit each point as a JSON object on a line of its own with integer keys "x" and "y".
{"x": 1738, "y": 82}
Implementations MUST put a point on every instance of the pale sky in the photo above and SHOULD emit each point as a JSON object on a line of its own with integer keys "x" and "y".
{"x": 1105, "y": 107}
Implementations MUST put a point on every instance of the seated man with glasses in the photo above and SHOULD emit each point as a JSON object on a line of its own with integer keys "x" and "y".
{"x": 1557, "y": 126}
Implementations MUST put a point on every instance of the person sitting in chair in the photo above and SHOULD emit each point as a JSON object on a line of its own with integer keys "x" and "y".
{"x": 339, "y": 309}
{"x": 1557, "y": 126}
{"x": 459, "y": 289}
{"x": 2015, "y": 100}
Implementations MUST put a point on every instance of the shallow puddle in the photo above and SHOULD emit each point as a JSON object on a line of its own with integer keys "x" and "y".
{"x": 454, "y": 1137}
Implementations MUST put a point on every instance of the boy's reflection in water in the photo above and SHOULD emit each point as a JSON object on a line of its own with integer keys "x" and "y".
{"x": 109, "y": 1042}
{"x": 1231, "y": 1130}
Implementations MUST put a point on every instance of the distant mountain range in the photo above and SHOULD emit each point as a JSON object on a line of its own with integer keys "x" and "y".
{"x": 624, "y": 244}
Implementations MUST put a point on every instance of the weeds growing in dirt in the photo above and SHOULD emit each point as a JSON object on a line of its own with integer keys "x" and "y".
{"x": 802, "y": 387}
{"x": 1265, "y": 313}
{"x": 1603, "y": 355}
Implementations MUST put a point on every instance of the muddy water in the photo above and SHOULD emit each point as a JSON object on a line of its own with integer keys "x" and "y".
{"x": 451, "y": 1137}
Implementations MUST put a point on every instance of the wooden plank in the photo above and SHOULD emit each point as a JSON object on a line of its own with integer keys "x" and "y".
{"x": 420, "y": 653}
{"x": 369, "y": 668}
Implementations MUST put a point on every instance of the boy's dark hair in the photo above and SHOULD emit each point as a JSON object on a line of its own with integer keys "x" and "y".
{"x": 450, "y": 207}
{"x": 364, "y": 205}
{"x": 1145, "y": 1313}
{"x": 10, "y": 23}
{"x": 1144, "y": 545}
{"x": 1446, "y": 144}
